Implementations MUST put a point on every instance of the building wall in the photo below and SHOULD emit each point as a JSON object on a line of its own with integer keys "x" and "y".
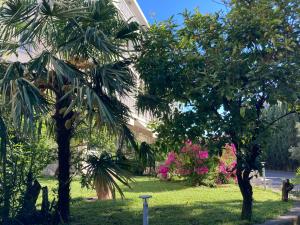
{"x": 130, "y": 10}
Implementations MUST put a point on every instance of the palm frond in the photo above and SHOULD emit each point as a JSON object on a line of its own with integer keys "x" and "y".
{"x": 79, "y": 52}
{"x": 146, "y": 155}
{"x": 107, "y": 169}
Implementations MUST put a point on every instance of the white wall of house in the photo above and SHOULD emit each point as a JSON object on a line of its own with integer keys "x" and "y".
{"x": 130, "y": 10}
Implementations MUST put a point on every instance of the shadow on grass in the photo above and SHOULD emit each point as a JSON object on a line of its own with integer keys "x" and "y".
{"x": 157, "y": 186}
{"x": 120, "y": 212}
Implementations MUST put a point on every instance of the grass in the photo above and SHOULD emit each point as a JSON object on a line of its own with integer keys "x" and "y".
{"x": 173, "y": 203}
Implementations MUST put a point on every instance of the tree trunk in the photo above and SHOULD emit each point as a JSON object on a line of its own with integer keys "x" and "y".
{"x": 6, "y": 192}
{"x": 247, "y": 193}
{"x": 286, "y": 188}
{"x": 244, "y": 168}
{"x": 104, "y": 192}
{"x": 63, "y": 138}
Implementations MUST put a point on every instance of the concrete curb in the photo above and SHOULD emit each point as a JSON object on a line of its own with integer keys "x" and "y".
{"x": 290, "y": 218}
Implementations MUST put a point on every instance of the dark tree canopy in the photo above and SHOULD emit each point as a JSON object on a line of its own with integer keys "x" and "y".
{"x": 223, "y": 70}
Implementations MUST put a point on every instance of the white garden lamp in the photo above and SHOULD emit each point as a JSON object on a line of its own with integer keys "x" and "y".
{"x": 145, "y": 208}
{"x": 264, "y": 173}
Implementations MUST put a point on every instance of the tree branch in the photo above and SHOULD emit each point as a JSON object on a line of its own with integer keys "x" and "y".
{"x": 281, "y": 117}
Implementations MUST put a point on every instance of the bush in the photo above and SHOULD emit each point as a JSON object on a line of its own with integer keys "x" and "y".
{"x": 194, "y": 164}
{"x": 296, "y": 180}
{"x": 25, "y": 159}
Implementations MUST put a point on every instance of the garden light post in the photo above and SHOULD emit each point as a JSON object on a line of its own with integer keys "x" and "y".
{"x": 145, "y": 208}
{"x": 264, "y": 174}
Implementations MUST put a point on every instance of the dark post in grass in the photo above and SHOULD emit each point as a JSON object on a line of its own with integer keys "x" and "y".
{"x": 145, "y": 208}
{"x": 286, "y": 188}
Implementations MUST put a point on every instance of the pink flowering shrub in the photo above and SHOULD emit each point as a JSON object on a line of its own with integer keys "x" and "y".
{"x": 163, "y": 170}
{"x": 192, "y": 162}
{"x": 227, "y": 164}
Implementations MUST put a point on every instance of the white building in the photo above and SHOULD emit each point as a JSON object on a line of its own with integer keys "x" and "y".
{"x": 130, "y": 10}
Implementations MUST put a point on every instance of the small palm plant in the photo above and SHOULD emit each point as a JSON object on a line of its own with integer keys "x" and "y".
{"x": 105, "y": 173}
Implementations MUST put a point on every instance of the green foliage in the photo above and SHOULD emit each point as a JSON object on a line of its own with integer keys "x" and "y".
{"x": 102, "y": 140}
{"x": 296, "y": 180}
{"x": 89, "y": 73}
{"x": 105, "y": 170}
{"x": 210, "y": 78}
{"x": 145, "y": 158}
{"x": 88, "y": 140}
{"x": 276, "y": 149}
{"x": 295, "y": 149}
{"x": 24, "y": 157}
{"x": 220, "y": 77}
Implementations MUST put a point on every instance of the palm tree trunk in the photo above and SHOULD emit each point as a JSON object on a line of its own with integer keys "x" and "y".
{"x": 104, "y": 192}
{"x": 63, "y": 138}
{"x": 6, "y": 192}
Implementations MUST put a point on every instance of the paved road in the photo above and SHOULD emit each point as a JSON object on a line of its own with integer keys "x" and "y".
{"x": 278, "y": 176}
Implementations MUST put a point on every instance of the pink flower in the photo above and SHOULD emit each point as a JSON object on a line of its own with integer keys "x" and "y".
{"x": 163, "y": 169}
{"x": 203, "y": 154}
{"x": 233, "y": 148}
{"x": 233, "y": 164}
{"x": 201, "y": 170}
{"x": 222, "y": 168}
{"x": 184, "y": 149}
{"x": 171, "y": 158}
{"x": 188, "y": 142}
{"x": 196, "y": 148}
{"x": 178, "y": 163}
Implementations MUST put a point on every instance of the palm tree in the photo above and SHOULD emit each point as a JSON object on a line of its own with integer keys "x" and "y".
{"x": 74, "y": 58}
{"x": 105, "y": 173}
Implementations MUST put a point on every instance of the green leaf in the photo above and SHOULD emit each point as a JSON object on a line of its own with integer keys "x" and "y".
{"x": 242, "y": 111}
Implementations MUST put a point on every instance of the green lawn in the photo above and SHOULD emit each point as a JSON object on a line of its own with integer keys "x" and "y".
{"x": 173, "y": 203}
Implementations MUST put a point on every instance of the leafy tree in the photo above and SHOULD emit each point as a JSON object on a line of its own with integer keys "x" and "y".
{"x": 216, "y": 73}
{"x": 74, "y": 63}
{"x": 295, "y": 149}
{"x": 283, "y": 135}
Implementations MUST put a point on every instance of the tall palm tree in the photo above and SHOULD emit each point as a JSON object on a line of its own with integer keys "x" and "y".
{"x": 70, "y": 58}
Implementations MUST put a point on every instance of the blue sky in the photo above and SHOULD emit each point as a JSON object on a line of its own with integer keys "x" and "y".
{"x": 159, "y": 10}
